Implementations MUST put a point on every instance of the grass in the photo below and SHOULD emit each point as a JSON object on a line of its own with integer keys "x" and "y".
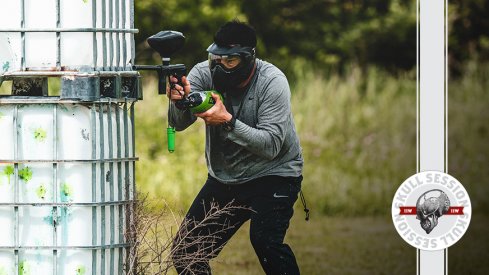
{"x": 348, "y": 128}
{"x": 358, "y": 134}
{"x": 358, "y": 138}
{"x": 329, "y": 245}
{"x": 468, "y": 132}
{"x": 352, "y": 246}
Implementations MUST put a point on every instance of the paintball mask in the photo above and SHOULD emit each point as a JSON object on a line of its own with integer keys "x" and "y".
{"x": 230, "y": 65}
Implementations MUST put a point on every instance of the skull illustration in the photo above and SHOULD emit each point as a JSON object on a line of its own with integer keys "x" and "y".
{"x": 430, "y": 206}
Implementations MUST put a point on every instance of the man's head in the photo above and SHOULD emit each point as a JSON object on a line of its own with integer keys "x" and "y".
{"x": 235, "y": 33}
{"x": 232, "y": 55}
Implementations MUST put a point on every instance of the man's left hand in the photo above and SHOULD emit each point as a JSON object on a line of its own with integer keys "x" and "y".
{"x": 217, "y": 114}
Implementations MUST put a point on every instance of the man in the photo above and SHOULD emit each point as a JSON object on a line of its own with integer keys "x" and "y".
{"x": 252, "y": 151}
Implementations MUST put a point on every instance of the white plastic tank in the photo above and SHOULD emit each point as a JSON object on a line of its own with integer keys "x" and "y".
{"x": 67, "y": 162}
{"x": 65, "y": 153}
{"x": 92, "y": 34}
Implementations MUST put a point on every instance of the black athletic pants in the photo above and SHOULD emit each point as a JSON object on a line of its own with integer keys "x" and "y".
{"x": 267, "y": 201}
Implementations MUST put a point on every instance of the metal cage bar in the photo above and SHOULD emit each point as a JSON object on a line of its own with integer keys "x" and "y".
{"x": 94, "y": 186}
{"x": 67, "y": 204}
{"x": 55, "y": 187}
{"x": 16, "y": 187}
{"x": 111, "y": 187}
{"x": 132, "y": 114}
{"x": 134, "y": 193}
{"x": 94, "y": 25}
{"x": 117, "y": 35}
{"x": 104, "y": 37}
{"x": 108, "y": 160}
{"x": 22, "y": 34}
{"x": 133, "y": 47}
{"x": 8, "y": 75}
{"x": 102, "y": 187}
{"x": 124, "y": 47}
{"x": 18, "y": 100}
{"x": 128, "y": 237}
{"x": 68, "y": 247}
{"x": 58, "y": 35}
{"x": 119, "y": 185}
{"x": 111, "y": 37}
{"x": 62, "y": 30}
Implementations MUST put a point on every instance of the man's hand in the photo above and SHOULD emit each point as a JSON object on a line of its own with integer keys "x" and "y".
{"x": 178, "y": 91}
{"x": 217, "y": 114}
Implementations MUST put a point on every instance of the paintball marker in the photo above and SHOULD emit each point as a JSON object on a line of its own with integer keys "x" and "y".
{"x": 166, "y": 43}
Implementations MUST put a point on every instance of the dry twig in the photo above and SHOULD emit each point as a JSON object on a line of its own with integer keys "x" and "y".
{"x": 157, "y": 248}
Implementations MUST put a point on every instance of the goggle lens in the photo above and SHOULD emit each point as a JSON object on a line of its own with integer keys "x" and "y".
{"x": 229, "y": 61}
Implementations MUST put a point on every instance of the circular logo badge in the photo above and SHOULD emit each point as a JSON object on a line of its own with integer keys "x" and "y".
{"x": 431, "y": 210}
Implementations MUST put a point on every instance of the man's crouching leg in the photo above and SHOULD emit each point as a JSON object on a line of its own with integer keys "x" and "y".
{"x": 269, "y": 223}
{"x": 211, "y": 221}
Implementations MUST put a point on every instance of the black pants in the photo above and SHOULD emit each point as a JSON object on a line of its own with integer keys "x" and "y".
{"x": 267, "y": 201}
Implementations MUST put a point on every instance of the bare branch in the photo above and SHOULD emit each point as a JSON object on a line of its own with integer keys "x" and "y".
{"x": 157, "y": 249}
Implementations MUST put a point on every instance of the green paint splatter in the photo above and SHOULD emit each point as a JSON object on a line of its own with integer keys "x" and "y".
{"x": 60, "y": 216}
{"x": 63, "y": 214}
{"x": 50, "y": 218}
{"x": 40, "y": 134}
{"x": 6, "y": 66}
{"x": 24, "y": 268}
{"x": 8, "y": 171}
{"x": 85, "y": 1}
{"x": 41, "y": 192}
{"x": 66, "y": 192}
{"x": 25, "y": 174}
{"x": 80, "y": 270}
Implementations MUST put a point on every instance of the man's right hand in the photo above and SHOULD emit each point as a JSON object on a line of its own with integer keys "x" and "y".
{"x": 177, "y": 92}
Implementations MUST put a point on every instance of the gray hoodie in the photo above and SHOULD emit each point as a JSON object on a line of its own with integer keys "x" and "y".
{"x": 264, "y": 141}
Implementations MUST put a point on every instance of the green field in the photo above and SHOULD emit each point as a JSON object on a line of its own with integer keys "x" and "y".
{"x": 353, "y": 246}
{"x": 349, "y": 128}
{"x": 358, "y": 134}
{"x": 349, "y": 246}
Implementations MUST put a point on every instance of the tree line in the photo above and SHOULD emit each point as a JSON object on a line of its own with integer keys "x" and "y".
{"x": 317, "y": 33}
